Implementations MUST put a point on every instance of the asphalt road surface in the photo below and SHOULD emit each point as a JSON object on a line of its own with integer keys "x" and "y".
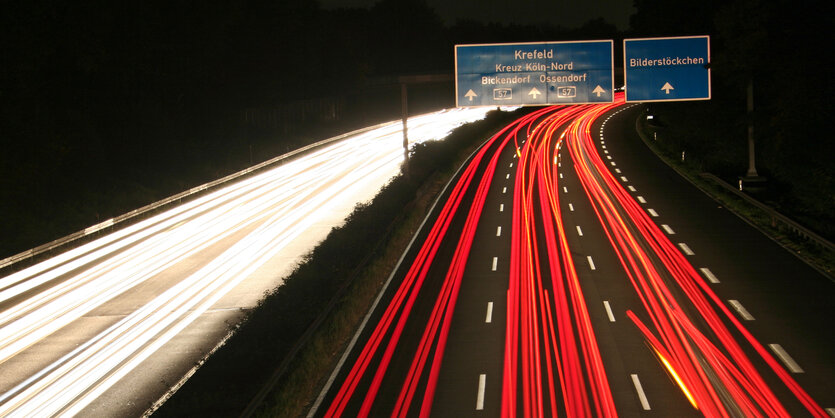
{"x": 567, "y": 271}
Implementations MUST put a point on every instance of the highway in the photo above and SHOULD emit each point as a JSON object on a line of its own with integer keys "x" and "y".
{"x": 568, "y": 272}
{"x": 107, "y": 328}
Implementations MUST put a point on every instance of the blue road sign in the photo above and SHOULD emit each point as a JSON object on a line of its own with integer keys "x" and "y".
{"x": 667, "y": 69}
{"x": 534, "y": 73}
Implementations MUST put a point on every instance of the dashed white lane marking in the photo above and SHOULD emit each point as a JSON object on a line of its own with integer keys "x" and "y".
{"x": 741, "y": 310}
{"x": 560, "y": 175}
{"x": 685, "y": 248}
{"x": 579, "y": 231}
{"x": 624, "y": 179}
{"x": 511, "y": 165}
{"x": 641, "y": 199}
{"x": 565, "y": 189}
{"x": 495, "y": 263}
{"x": 667, "y": 229}
{"x": 571, "y": 207}
{"x": 507, "y": 176}
{"x": 501, "y": 207}
{"x": 609, "y": 157}
{"x": 489, "y": 317}
{"x": 617, "y": 170}
{"x": 504, "y": 190}
{"x": 640, "y": 390}
{"x": 652, "y": 212}
{"x": 785, "y": 358}
{"x": 631, "y": 188}
{"x": 709, "y": 274}
{"x": 498, "y": 231}
{"x": 609, "y": 311}
{"x": 831, "y": 412}
{"x": 591, "y": 262}
{"x": 612, "y": 163}
{"x": 479, "y": 402}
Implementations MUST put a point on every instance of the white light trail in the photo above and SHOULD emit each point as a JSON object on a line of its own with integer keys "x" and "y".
{"x": 254, "y": 219}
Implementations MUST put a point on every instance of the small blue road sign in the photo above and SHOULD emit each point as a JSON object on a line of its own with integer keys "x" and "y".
{"x": 667, "y": 69}
{"x": 540, "y": 73}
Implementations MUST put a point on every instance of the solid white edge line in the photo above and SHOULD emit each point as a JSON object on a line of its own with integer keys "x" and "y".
{"x": 482, "y": 382}
{"x": 741, "y": 310}
{"x": 495, "y": 263}
{"x": 785, "y": 358}
{"x": 489, "y": 318}
{"x": 685, "y": 248}
{"x": 591, "y": 262}
{"x": 640, "y": 390}
{"x": 709, "y": 274}
{"x": 609, "y": 311}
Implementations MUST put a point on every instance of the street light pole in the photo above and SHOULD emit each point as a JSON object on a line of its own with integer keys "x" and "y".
{"x": 752, "y": 180}
{"x": 404, "y": 106}
{"x": 752, "y": 166}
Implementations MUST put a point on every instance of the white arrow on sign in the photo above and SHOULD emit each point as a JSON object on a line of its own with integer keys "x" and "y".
{"x": 470, "y": 94}
{"x": 667, "y": 87}
{"x": 534, "y": 92}
{"x": 598, "y": 91}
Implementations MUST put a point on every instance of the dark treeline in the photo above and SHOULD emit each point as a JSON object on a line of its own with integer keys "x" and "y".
{"x": 779, "y": 46}
{"x": 106, "y": 106}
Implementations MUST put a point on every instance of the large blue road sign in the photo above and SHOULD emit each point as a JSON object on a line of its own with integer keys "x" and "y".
{"x": 667, "y": 69}
{"x": 534, "y": 73}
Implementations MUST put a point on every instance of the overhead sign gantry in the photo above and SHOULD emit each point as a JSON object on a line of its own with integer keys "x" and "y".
{"x": 539, "y": 73}
{"x": 667, "y": 69}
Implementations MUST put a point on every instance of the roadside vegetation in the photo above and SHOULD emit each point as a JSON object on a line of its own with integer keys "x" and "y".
{"x": 764, "y": 46}
{"x": 323, "y": 300}
{"x": 671, "y": 145}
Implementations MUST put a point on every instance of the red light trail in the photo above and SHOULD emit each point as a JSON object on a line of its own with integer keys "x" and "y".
{"x": 552, "y": 365}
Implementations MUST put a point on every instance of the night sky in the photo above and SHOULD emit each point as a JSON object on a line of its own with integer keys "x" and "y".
{"x": 565, "y": 13}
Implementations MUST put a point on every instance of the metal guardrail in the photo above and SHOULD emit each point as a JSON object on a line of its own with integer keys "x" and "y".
{"x": 776, "y": 217}
{"x": 117, "y": 221}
